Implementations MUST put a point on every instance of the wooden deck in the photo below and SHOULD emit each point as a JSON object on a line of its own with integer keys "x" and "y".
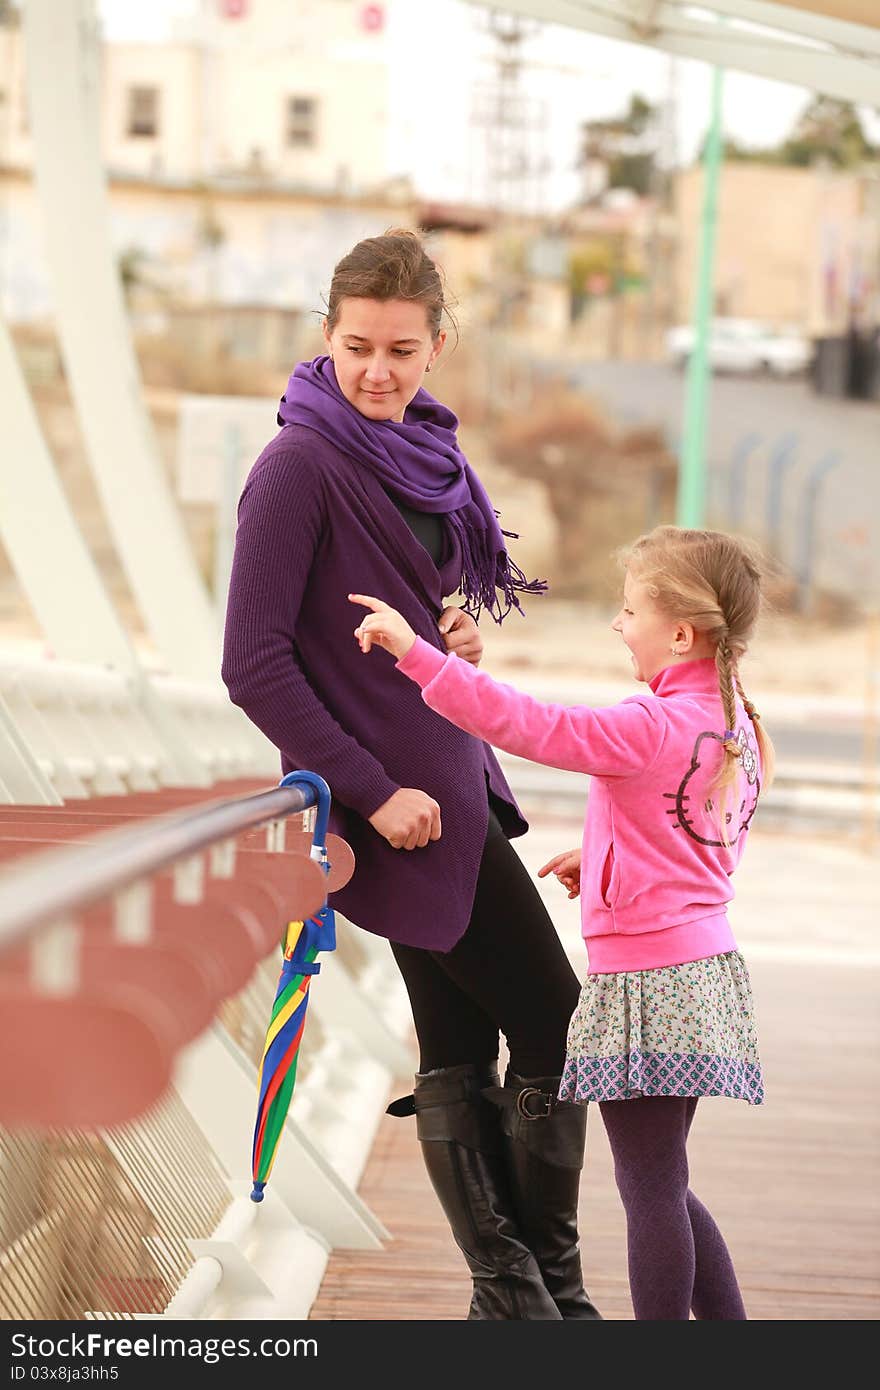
{"x": 793, "y": 1184}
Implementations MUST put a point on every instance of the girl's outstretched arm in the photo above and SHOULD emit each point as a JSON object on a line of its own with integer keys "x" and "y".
{"x": 619, "y": 740}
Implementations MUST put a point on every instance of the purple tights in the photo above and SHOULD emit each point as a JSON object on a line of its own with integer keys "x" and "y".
{"x": 678, "y": 1261}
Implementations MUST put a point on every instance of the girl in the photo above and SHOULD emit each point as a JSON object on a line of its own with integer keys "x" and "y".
{"x": 365, "y": 481}
{"x": 665, "y": 1014}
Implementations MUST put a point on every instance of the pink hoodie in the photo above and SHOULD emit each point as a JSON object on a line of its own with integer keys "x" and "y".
{"x": 655, "y": 876}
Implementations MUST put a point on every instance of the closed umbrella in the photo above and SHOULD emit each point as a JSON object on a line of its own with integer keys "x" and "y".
{"x": 301, "y": 944}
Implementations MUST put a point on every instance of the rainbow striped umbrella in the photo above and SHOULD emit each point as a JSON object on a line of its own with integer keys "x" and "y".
{"x": 301, "y": 943}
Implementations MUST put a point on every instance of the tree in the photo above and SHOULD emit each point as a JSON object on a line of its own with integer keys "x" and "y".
{"x": 603, "y": 484}
{"x": 635, "y": 171}
{"x": 827, "y": 129}
{"x": 832, "y": 130}
{"x": 131, "y": 263}
{"x": 625, "y": 144}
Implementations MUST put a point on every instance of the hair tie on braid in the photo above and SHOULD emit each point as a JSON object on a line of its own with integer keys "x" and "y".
{"x": 747, "y": 704}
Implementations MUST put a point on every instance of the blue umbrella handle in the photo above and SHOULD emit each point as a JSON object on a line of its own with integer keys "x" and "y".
{"x": 324, "y": 919}
{"x": 311, "y": 779}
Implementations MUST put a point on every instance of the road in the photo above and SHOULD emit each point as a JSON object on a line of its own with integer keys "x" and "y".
{"x": 847, "y": 548}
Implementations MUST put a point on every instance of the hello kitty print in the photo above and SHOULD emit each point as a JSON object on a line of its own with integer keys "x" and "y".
{"x": 696, "y": 804}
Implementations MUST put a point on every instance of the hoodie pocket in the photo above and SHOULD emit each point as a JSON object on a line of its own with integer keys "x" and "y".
{"x": 610, "y": 880}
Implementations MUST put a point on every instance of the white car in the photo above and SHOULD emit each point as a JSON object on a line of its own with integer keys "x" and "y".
{"x": 745, "y": 346}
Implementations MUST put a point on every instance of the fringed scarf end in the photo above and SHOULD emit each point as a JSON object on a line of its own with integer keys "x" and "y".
{"x": 491, "y": 581}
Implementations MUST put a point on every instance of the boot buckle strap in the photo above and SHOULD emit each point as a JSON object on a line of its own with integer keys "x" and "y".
{"x": 402, "y": 1107}
{"x": 452, "y": 1091}
{"x": 533, "y": 1104}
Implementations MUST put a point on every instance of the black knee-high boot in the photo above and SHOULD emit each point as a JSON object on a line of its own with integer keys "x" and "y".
{"x": 463, "y": 1152}
{"x": 544, "y": 1144}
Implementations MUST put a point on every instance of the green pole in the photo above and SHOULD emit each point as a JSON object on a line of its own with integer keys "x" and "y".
{"x": 691, "y": 502}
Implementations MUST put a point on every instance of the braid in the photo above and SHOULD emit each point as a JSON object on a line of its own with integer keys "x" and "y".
{"x": 725, "y": 665}
{"x": 765, "y": 745}
{"x": 726, "y": 668}
{"x": 747, "y": 704}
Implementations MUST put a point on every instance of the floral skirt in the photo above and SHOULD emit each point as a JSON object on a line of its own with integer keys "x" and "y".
{"x": 682, "y": 1030}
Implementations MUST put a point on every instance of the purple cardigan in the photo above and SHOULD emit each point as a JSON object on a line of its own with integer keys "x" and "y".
{"x": 312, "y": 528}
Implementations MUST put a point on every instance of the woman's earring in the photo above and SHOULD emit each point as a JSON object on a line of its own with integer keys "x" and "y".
{"x": 674, "y": 652}
{"x": 428, "y": 368}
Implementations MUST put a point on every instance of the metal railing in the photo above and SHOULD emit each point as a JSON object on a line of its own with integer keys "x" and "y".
{"x": 147, "y": 1216}
{"x": 65, "y": 881}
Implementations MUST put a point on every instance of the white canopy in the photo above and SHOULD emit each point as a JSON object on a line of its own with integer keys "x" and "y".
{"x": 831, "y": 46}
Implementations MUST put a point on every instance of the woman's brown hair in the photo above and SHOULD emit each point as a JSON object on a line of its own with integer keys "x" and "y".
{"x": 392, "y": 266}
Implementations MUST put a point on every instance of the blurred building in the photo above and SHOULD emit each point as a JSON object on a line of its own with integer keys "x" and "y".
{"x": 290, "y": 94}
{"x": 595, "y": 281}
{"x": 795, "y": 246}
{"x": 244, "y": 156}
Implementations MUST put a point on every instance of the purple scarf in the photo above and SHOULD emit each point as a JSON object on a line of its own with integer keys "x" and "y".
{"x": 419, "y": 462}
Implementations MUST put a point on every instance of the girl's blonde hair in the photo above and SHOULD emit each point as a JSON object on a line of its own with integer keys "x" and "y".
{"x": 713, "y": 581}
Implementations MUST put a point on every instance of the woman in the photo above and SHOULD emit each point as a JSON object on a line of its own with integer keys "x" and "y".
{"x": 364, "y": 488}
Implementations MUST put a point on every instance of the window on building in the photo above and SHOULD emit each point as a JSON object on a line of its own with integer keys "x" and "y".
{"x": 143, "y": 111}
{"x": 302, "y": 121}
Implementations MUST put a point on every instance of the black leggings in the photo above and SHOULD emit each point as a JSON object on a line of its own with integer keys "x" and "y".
{"x": 508, "y": 973}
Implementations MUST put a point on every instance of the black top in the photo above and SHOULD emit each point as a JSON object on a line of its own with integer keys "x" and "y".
{"x": 427, "y": 528}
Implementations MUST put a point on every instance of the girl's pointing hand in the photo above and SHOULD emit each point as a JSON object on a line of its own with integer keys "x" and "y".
{"x": 384, "y": 626}
{"x": 567, "y": 868}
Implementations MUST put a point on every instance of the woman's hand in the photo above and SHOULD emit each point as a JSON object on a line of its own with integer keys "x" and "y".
{"x": 408, "y": 819}
{"x": 567, "y": 868}
{"x": 384, "y": 626}
{"x": 461, "y": 635}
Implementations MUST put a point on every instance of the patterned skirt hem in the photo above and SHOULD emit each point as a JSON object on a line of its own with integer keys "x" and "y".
{"x": 634, "y": 1074}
